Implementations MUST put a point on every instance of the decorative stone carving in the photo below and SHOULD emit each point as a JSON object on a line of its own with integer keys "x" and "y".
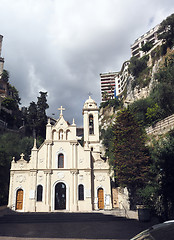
{"x": 41, "y": 160}
{"x": 81, "y": 177}
{"x": 20, "y": 178}
{"x": 21, "y": 165}
{"x": 81, "y": 160}
{"x": 100, "y": 178}
{"x": 40, "y": 179}
{"x": 60, "y": 175}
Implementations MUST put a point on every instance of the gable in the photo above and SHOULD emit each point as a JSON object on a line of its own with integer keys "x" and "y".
{"x": 60, "y": 124}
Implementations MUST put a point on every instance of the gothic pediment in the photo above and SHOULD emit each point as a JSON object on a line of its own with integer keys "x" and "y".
{"x": 60, "y": 124}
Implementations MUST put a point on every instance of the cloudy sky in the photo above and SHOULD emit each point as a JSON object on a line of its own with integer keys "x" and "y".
{"x": 61, "y": 46}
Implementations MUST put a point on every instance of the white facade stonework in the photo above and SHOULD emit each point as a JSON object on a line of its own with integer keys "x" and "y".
{"x": 61, "y": 174}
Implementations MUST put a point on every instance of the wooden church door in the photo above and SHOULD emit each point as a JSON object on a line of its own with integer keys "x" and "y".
{"x": 19, "y": 199}
{"x": 100, "y": 198}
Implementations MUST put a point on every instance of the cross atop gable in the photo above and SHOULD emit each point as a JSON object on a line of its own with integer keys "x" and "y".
{"x": 61, "y": 109}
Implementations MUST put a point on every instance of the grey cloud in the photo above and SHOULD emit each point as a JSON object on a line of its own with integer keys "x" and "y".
{"x": 62, "y": 46}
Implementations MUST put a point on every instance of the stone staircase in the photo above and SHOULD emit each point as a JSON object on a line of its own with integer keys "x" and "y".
{"x": 9, "y": 216}
{"x": 122, "y": 213}
{"x": 56, "y": 217}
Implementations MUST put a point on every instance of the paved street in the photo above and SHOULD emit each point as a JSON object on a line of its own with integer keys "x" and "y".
{"x": 63, "y": 225}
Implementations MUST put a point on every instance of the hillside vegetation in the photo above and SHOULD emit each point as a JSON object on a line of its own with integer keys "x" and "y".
{"x": 146, "y": 170}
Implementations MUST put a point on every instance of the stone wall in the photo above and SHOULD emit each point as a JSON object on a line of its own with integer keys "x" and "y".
{"x": 162, "y": 126}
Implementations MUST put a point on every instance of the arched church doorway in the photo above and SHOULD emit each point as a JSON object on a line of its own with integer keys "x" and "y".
{"x": 100, "y": 195}
{"x": 19, "y": 199}
{"x": 60, "y": 196}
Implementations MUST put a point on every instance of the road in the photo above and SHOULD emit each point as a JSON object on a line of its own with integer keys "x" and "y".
{"x": 67, "y": 226}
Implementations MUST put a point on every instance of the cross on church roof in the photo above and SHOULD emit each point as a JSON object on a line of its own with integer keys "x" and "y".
{"x": 61, "y": 109}
{"x": 22, "y": 156}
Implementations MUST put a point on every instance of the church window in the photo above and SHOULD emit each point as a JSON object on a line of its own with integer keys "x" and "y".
{"x": 91, "y": 124}
{"x": 61, "y": 134}
{"x": 67, "y": 134}
{"x": 81, "y": 192}
{"x": 60, "y": 160}
{"x": 39, "y": 193}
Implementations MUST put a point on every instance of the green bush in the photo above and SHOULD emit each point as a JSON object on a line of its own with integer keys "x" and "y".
{"x": 137, "y": 65}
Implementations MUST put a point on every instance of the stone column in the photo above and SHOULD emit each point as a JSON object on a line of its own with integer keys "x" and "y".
{"x": 49, "y": 156}
{"x": 11, "y": 192}
{"x": 48, "y": 194}
{"x": 74, "y": 205}
{"x": 33, "y": 190}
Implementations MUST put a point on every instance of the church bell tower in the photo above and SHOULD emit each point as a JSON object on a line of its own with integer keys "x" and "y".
{"x": 90, "y": 123}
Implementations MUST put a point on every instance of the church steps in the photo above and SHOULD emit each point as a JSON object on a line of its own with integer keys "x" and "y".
{"x": 56, "y": 217}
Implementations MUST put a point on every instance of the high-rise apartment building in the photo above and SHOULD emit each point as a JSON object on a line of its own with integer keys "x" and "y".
{"x": 107, "y": 85}
{"x": 151, "y": 36}
{"x": 121, "y": 79}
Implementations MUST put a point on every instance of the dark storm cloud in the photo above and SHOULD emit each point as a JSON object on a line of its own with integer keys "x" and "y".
{"x": 62, "y": 46}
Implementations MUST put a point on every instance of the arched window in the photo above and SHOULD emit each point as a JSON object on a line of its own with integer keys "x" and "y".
{"x": 67, "y": 134}
{"x": 60, "y": 134}
{"x": 91, "y": 124}
{"x": 60, "y": 160}
{"x": 81, "y": 192}
{"x": 39, "y": 193}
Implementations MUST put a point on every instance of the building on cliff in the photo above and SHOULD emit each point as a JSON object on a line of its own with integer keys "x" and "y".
{"x": 107, "y": 81}
{"x": 151, "y": 36}
{"x": 119, "y": 80}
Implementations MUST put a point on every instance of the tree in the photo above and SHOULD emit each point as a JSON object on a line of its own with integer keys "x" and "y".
{"x": 41, "y": 114}
{"x": 14, "y": 94}
{"x": 166, "y": 31}
{"x": 163, "y": 93}
{"x": 162, "y": 153}
{"x": 137, "y": 65}
{"x": 36, "y": 118}
{"x": 107, "y": 136}
{"x": 153, "y": 113}
{"x": 32, "y": 118}
{"x": 9, "y": 103}
{"x": 139, "y": 110}
{"x": 105, "y": 96}
{"x": 147, "y": 46}
{"x": 131, "y": 160}
{"x": 5, "y": 75}
{"x": 11, "y": 145}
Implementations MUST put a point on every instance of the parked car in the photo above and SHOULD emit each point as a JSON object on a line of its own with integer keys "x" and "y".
{"x": 162, "y": 231}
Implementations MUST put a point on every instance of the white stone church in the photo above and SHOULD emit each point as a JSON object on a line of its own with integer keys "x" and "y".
{"x": 62, "y": 174}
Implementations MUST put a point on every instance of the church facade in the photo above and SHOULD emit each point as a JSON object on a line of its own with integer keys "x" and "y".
{"x": 62, "y": 174}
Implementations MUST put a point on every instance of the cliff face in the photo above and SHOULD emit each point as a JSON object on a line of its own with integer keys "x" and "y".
{"x": 158, "y": 71}
{"x": 153, "y": 64}
{"x": 139, "y": 92}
